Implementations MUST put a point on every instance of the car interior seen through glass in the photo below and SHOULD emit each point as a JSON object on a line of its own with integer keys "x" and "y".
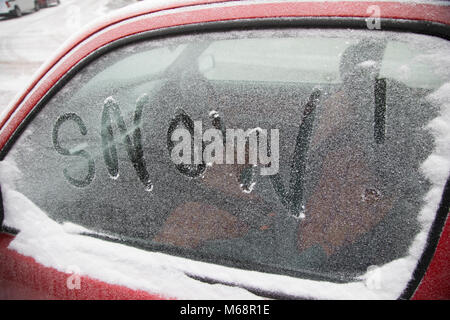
{"x": 338, "y": 117}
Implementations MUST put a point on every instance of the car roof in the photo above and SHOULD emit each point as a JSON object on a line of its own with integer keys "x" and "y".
{"x": 427, "y": 10}
{"x": 145, "y": 7}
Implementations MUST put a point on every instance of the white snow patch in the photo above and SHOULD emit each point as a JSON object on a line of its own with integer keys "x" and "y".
{"x": 250, "y": 188}
{"x": 214, "y": 114}
{"x": 367, "y": 64}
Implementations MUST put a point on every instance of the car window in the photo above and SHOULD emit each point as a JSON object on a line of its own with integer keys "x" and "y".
{"x": 411, "y": 67}
{"x": 304, "y": 60}
{"x": 289, "y": 151}
{"x": 140, "y": 65}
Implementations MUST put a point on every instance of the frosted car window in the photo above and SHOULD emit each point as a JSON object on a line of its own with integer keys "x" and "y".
{"x": 411, "y": 67}
{"x": 286, "y": 60}
{"x": 140, "y": 64}
{"x": 136, "y": 66}
{"x": 343, "y": 187}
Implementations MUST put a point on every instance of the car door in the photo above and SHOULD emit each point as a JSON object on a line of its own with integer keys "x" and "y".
{"x": 25, "y": 5}
{"x": 337, "y": 195}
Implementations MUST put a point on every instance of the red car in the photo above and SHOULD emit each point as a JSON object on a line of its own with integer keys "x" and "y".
{"x": 234, "y": 149}
{"x": 46, "y": 3}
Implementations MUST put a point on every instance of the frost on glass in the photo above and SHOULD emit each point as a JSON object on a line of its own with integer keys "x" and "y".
{"x": 351, "y": 109}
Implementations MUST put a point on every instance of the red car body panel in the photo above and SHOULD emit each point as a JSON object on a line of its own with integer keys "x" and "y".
{"x": 436, "y": 283}
{"x": 23, "y": 277}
